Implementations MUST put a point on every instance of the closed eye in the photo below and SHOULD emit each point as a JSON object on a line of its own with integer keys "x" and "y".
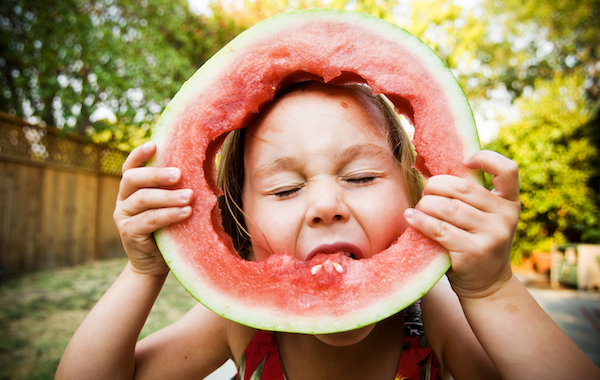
{"x": 284, "y": 193}
{"x": 361, "y": 180}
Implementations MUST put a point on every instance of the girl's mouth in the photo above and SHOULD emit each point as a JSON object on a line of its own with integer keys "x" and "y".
{"x": 347, "y": 249}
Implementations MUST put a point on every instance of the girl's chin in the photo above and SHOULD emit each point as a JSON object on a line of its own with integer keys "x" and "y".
{"x": 346, "y": 338}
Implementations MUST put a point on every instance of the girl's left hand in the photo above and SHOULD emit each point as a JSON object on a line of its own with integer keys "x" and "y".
{"x": 474, "y": 224}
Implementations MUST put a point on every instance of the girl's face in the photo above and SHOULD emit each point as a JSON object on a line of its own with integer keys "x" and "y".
{"x": 320, "y": 177}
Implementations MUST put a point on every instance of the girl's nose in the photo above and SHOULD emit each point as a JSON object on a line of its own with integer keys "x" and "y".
{"x": 326, "y": 207}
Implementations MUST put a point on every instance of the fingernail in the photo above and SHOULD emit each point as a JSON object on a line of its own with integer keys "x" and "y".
{"x": 185, "y": 210}
{"x": 409, "y": 213}
{"x": 185, "y": 195}
{"x": 173, "y": 174}
{"x": 147, "y": 146}
{"x": 468, "y": 159}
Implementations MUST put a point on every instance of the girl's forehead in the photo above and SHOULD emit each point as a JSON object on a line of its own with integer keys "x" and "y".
{"x": 316, "y": 99}
{"x": 318, "y": 120}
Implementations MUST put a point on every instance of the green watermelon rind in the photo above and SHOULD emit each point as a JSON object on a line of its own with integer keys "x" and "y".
{"x": 268, "y": 319}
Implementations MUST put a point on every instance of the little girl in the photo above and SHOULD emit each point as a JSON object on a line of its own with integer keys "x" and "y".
{"x": 329, "y": 169}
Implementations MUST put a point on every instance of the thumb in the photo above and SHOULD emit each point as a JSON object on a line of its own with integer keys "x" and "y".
{"x": 504, "y": 171}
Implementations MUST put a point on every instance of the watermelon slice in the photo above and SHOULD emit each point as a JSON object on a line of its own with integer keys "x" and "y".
{"x": 337, "y": 47}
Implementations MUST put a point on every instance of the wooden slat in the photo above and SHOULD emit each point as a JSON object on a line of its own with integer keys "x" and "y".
{"x": 29, "y": 220}
{"x": 8, "y": 257}
{"x": 109, "y": 242}
{"x": 50, "y": 206}
{"x": 85, "y": 215}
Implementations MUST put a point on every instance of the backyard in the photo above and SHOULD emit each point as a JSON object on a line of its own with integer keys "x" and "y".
{"x": 41, "y": 311}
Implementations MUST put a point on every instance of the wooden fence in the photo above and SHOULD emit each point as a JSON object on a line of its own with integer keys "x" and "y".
{"x": 57, "y": 196}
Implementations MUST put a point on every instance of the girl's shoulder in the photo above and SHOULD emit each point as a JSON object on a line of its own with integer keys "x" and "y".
{"x": 234, "y": 335}
{"x": 205, "y": 339}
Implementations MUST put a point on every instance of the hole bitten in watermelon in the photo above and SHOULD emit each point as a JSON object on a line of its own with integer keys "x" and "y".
{"x": 329, "y": 293}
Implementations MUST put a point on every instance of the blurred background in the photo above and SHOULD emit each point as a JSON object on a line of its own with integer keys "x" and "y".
{"x": 83, "y": 82}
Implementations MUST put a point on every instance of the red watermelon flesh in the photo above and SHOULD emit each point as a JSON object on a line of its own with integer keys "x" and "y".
{"x": 328, "y": 293}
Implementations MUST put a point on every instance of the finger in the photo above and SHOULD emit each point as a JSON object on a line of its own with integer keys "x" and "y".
{"x": 147, "y": 177}
{"x": 449, "y": 236}
{"x": 139, "y": 156}
{"x": 461, "y": 189}
{"x": 149, "y": 221}
{"x": 148, "y": 199}
{"x": 453, "y": 211}
{"x": 505, "y": 172}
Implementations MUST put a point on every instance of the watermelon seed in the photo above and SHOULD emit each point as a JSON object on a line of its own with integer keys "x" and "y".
{"x": 315, "y": 269}
{"x": 338, "y": 267}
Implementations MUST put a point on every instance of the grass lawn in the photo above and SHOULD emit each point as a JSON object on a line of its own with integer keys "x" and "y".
{"x": 40, "y": 312}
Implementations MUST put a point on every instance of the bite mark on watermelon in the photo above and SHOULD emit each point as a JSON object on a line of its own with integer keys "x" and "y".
{"x": 337, "y": 47}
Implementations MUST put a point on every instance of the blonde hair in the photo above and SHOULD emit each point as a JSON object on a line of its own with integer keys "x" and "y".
{"x": 230, "y": 175}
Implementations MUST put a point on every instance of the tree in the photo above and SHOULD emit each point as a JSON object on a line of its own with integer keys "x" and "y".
{"x": 72, "y": 63}
{"x": 108, "y": 67}
{"x": 555, "y": 149}
{"x": 521, "y": 41}
{"x": 545, "y": 56}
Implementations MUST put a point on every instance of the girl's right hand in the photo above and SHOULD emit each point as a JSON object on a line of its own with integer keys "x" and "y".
{"x": 148, "y": 199}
